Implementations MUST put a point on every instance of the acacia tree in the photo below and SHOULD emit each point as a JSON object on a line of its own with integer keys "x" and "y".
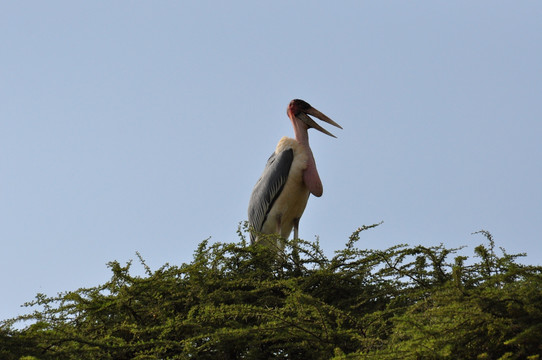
{"x": 235, "y": 301}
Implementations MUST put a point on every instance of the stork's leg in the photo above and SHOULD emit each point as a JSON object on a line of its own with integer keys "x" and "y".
{"x": 279, "y": 225}
{"x": 279, "y": 245}
{"x": 296, "y": 229}
{"x": 295, "y": 249}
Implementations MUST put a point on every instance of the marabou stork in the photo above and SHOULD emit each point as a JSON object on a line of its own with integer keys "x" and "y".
{"x": 290, "y": 176}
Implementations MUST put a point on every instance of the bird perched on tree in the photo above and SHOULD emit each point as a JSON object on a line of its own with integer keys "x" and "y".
{"x": 290, "y": 176}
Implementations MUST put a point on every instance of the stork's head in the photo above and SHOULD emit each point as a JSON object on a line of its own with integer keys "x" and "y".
{"x": 300, "y": 110}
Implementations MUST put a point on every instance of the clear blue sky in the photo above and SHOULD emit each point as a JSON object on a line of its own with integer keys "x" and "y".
{"x": 143, "y": 126}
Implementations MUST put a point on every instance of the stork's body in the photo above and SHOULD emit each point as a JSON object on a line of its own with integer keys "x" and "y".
{"x": 290, "y": 176}
{"x": 290, "y": 203}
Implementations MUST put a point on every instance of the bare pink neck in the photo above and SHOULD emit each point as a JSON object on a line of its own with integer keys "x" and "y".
{"x": 301, "y": 133}
{"x": 310, "y": 175}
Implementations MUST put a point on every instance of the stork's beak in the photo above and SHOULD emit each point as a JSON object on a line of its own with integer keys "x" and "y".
{"x": 313, "y": 124}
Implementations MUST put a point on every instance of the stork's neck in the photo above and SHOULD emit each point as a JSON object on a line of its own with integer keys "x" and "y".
{"x": 301, "y": 133}
{"x": 310, "y": 175}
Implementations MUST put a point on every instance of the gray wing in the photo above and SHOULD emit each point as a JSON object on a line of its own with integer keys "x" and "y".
{"x": 268, "y": 188}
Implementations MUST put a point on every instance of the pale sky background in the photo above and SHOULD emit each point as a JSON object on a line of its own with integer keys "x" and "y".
{"x": 143, "y": 125}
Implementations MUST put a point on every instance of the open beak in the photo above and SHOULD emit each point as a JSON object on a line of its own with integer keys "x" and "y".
{"x": 313, "y": 124}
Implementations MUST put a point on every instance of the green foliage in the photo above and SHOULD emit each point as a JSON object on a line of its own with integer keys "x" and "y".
{"x": 235, "y": 301}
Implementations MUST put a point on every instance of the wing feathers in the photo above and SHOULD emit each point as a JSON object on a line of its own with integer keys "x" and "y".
{"x": 268, "y": 188}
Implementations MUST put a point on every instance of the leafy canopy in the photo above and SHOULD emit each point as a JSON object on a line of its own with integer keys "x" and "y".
{"x": 235, "y": 301}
